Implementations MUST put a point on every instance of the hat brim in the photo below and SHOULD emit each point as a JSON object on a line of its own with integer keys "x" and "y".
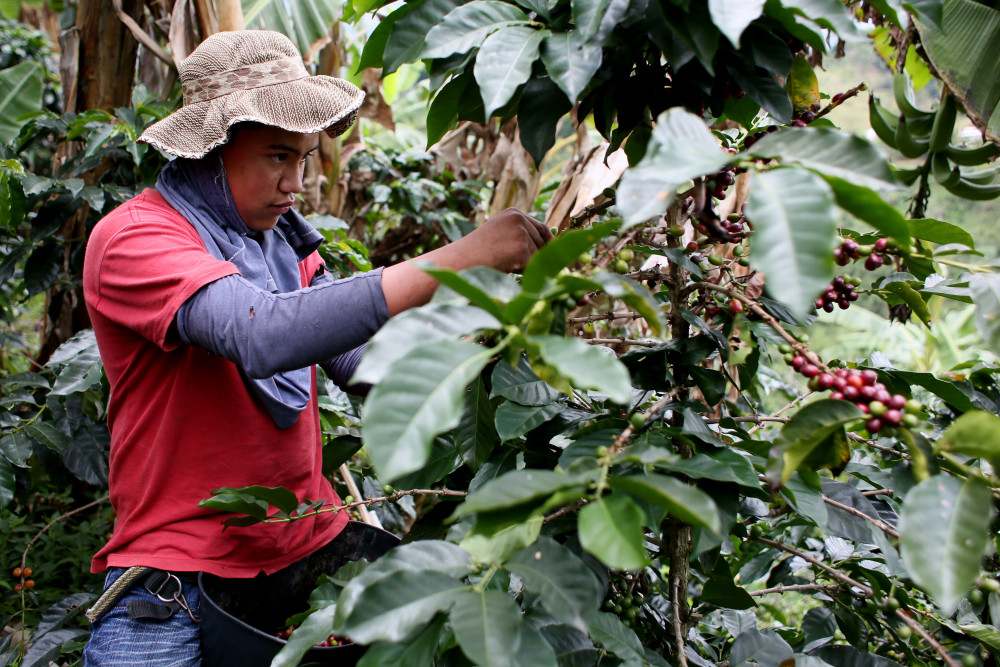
{"x": 312, "y": 104}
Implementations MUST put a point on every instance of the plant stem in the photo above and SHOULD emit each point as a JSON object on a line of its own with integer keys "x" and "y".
{"x": 757, "y": 419}
{"x": 621, "y": 341}
{"x": 789, "y": 406}
{"x": 826, "y": 588}
{"x": 481, "y": 586}
{"x": 933, "y": 643}
{"x": 886, "y": 528}
{"x": 82, "y": 508}
{"x": 678, "y": 627}
{"x": 348, "y": 478}
{"x": 832, "y": 571}
{"x": 395, "y": 495}
{"x": 608, "y": 316}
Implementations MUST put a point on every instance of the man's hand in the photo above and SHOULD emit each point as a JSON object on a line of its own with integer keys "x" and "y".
{"x": 504, "y": 242}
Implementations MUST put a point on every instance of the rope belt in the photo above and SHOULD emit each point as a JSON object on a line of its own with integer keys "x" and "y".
{"x": 166, "y": 586}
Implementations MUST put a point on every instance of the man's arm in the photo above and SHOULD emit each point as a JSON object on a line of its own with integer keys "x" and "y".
{"x": 505, "y": 242}
{"x": 267, "y": 333}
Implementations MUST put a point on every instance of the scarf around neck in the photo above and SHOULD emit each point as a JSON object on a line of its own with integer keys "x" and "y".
{"x": 198, "y": 189}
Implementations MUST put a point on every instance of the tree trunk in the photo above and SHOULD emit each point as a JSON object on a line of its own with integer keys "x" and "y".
{"x": 97, "y": 66}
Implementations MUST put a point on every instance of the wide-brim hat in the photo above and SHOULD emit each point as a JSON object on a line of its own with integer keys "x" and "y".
{"x": 251, "y": 75}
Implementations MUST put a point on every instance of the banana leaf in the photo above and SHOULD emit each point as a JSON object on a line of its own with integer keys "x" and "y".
{"x": 963, "y": 49}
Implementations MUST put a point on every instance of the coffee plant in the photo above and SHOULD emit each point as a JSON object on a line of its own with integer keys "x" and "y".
{"x": 629, "y": 454}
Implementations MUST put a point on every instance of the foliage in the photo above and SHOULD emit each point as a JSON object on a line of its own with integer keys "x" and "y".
{"x": 408, "y": 206}
{"x": 628, "y": 453}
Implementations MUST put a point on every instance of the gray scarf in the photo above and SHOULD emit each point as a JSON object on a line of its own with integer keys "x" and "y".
{"x": 198, "y": 189}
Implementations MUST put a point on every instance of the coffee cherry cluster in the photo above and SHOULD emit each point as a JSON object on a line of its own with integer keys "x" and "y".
{"x": 733, "y": 225}
{"x": 332, "y": 640}
{"x": 720, "y": 182}
{"x": 840, "y": 292}
{"x": 626, "y": 607}
{"x": 850, "y": 250}
{"x": 24, "y": 574}
{"x": 757, "y": 136}
{"x": 864, "y": 390}
{"x": 805, "y": 118}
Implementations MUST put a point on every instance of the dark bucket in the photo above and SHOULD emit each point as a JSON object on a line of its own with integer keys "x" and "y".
{"x": 241, "y": 616}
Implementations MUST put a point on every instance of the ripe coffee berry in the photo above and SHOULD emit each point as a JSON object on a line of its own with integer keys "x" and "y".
{"x": 847, "y": 252}
{"x": 735, "y": 306}
{"x": 27, "y": 572}
{"x": 17, "y": 572}
{"x": 840, "y": 292}
{"x": 30, "y": 583}
{"x": 892, "y": 417}
{"x": 873, "y": 262}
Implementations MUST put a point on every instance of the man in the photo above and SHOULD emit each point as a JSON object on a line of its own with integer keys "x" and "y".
{"x": 211, "y": 308}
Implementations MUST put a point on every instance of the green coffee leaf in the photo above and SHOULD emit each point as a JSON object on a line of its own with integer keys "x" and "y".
{"x": 567, "y": 586}
{"x": 585, "y": 366}
{"x": 416, "y": 327}
{"x": 520, "y": 384}
{"x": 520, "y": 487}
{"x": 976, "y": 434}
{"x": 795, "y": 226}
{"x": 424, "y": 399}
{"x": 611, "y": 529}
{"x": 682, "y": 148}
{"x": 732, "y": 17}
{"x": 686, "y": 502}
{"x": 810, "y": 428}
{"x": 570, "y": 63}
{"x": 502, "y": 544}
{"x": 830, "y": 152}
{"x": 397, "y": 606}
{"x": 487, "y": 625}
{"x": 944, "y": 530}
{"x": 466, "y": 26}
{"x": 560, "y": 252}
{"x": 504, "y": 63}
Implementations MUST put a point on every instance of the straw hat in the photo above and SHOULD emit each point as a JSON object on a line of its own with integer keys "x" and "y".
{"x": 250, "y": 75}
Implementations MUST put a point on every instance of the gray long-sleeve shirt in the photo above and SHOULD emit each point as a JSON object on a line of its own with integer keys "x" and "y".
{"x": 327, "y": 323}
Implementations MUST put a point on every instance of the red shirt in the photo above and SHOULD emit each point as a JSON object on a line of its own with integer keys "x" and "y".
{"x": 182, "y": 422}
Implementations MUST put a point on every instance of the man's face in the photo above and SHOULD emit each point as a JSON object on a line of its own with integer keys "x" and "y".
{"x": 264, "y": 168}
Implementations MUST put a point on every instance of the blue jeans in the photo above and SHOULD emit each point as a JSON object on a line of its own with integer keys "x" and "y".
{"x": 119, "y": 641}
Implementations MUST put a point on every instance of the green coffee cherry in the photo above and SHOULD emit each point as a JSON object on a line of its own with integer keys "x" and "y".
{"x": 626, "y": 254}
{"x": 621, "y": 266}
{"x": 638, "y": 420}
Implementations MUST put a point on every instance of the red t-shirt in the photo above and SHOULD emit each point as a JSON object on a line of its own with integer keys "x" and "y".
{"x": 182, "y": 422}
